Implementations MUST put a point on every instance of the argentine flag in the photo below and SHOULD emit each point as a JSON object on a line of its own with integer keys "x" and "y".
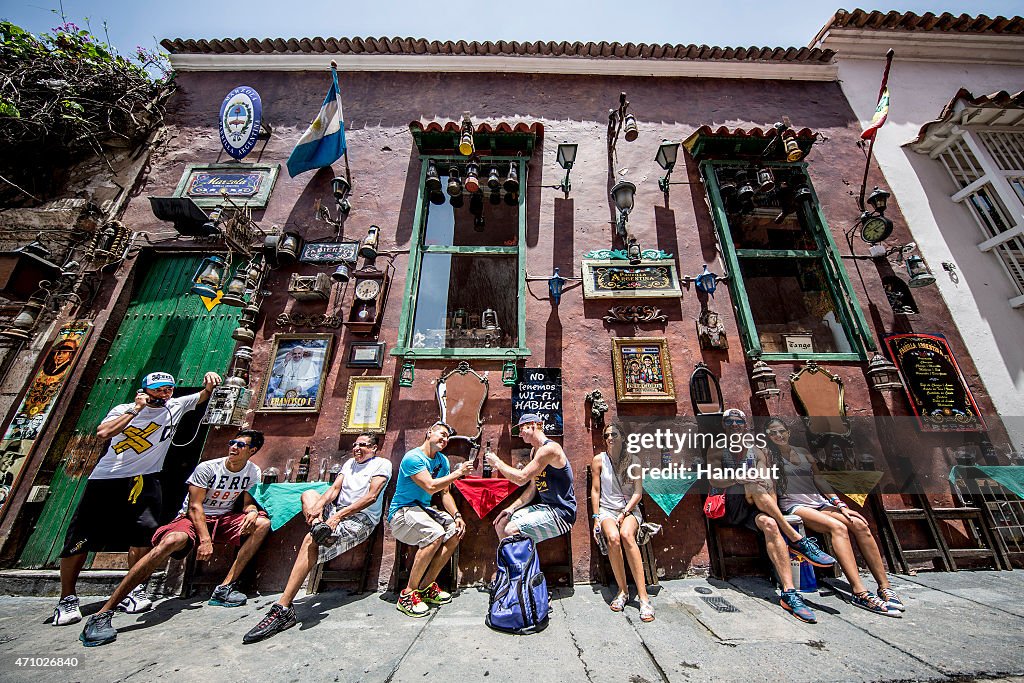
{"x": 323, "y": 143}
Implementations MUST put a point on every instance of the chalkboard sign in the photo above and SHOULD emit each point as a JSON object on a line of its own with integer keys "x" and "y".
{"x": 938, "y": 394}
{"x": 539, "y": 390}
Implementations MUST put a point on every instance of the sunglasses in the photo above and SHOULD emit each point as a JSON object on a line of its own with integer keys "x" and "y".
{"x": 777, "y": 432}
{"x": 734, "y": 422}
{"x": 361, "y": 444}
{"x": 239, "y": 443}
{"x": 611, "y": 435}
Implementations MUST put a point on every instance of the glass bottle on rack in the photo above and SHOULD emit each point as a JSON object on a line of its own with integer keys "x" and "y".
{"x": 302, "y": 474}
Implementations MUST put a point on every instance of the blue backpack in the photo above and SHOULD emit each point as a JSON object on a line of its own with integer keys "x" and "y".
{"x": 519, "y": 597}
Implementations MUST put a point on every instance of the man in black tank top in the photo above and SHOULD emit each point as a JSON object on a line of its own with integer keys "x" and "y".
{"x": 547, "y": 507}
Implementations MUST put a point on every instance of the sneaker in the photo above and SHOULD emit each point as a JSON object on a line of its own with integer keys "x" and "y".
{"x": 646, "y": 611}
{"x": 619, "y": 603}
{"x": 98, "y": 630}
{"x": 891, "y": 599}
{"x": 433, "y": 595}
{"x": 807, "y": 549}
{"x": 409, "y": 603}
{"x": 279, "y": 618}
{"x": 225, "y": 595}
{"x": 323, "y": 534}
{"x": 793, "y": 603}
{"x": 136, "y": 601}
{"x": 67, "y": 611}
{"x": 872, "y": 603}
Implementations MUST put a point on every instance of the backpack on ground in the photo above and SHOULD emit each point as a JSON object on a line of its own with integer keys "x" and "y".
{"x": 519, "y": 596}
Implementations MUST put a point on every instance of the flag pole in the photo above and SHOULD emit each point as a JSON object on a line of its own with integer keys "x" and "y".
{"x": 871, "y": 145}
{"x": 348, "y": 172}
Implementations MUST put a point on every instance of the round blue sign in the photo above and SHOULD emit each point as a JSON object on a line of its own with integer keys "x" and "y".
{"x": 241, "y": 115}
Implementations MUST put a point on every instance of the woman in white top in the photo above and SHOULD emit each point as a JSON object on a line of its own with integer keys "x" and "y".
{"x": 615, "y": 495}
{"x": 802, "y": 492}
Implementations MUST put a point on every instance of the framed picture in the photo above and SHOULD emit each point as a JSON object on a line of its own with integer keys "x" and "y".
{"x": 295, "y": 381}
{"x": 367, "y": 405}
{"x": 643, "y": 370}
{"x": 365, "y": 355}
{"x": 624, "y": 280}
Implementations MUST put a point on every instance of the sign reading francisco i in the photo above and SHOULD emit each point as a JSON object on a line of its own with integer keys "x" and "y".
{"x": 622, "y": 280}
{"x": 938, "y": 393}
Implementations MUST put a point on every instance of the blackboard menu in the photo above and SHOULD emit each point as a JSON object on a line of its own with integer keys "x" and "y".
{"x": 539, "y": 390}
{"x": 938, "y": 394}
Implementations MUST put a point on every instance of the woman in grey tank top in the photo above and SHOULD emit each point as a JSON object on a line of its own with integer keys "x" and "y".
{"x": 614, "y": 495}
{"x": 804, "y": 493}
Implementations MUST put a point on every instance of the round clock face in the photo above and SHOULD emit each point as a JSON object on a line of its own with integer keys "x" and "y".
{"x": 367, "y": 290}
{"x": 874, "y": 229}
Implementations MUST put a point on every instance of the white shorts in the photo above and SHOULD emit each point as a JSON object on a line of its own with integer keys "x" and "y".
{"x": 414, "y": 526}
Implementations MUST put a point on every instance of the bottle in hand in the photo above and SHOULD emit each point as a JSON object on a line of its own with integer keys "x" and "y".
{"x": 487, "y": 466}
{"x": 302, "y": 474}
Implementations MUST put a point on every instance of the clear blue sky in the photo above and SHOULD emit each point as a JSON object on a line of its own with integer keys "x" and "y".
{"x": 714, "y": 22}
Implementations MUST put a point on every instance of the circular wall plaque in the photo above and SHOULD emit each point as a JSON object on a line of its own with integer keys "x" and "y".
{"x": 241, "y": 114}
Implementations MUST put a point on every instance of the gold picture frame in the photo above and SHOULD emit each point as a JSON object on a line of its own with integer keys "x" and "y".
{"x": 643, "y": 370}
{"x": 366, "y": 405}
{"x": 294, "y": 383}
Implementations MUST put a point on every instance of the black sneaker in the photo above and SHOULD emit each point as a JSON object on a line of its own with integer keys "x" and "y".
{"x": 225, "y": 595}
{"x": 323, "y": 534}
{"x": 279, "y": 618}
{"x": 98, "y": 630}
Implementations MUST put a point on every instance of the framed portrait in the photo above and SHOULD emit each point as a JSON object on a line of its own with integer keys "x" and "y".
{"x": 367, "y": 403}
{"x": 365, "y": 355}
{"x": 295, "y": 381}
{"x": 643, "y": 370}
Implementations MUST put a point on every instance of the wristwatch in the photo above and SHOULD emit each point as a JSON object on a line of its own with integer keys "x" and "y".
{"x": 133, "y": 411}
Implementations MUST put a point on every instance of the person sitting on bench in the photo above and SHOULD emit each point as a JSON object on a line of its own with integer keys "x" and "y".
{"x": 340, "y": 518}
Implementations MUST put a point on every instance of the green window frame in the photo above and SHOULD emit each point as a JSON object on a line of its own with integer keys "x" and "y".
{"x": 848, "y": 310}
{"x": 419, "y": 248}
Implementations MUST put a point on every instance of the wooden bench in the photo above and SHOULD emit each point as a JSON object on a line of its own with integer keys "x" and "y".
{"x": 322, "y": 573}
{"x": 604, "y": 573}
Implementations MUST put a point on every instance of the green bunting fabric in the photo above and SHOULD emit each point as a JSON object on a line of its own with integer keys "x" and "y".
{"x": 1011, "y": 477}
{"x": 284, "y": 501}
{"x": 668, "y": 492}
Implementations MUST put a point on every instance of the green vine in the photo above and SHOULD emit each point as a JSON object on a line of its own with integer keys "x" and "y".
{"x": 65, "y": 96}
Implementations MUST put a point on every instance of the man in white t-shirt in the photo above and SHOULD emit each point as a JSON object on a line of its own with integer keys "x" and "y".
{"x": 206, "y": 516}
{"x": 122, "y": 498}
{"x": 341, "y": 518}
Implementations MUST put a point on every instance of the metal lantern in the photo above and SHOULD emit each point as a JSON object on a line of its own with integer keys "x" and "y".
{"x": 246, "y": 324}
{"x": 466, "y": 146}
{"x": 472, "y": 182}
{"x": 288, "y": 248}
{"x": 745, "y": 193}
{"x": 509, "y": 372}
{"x": 763, "y": 379}
{"x": 493, "y": 179}
{"x": 408, "y": 374}
{"x": 632, "y": 132}
{"x": 340, "y": 187}
{"x": 433, "y": 181}
{"x": 765, "y": 180}
{"x": 234, "y": 293}
{"x": 341, "y": 273}
{"x": 566, "y": 157}
{"x": 878, "y": 199}
{"x": 666, "y": 158}
{"x": 208, "y": 277}
{"x": 368, "y": 249}
{"x": 454, "y": 183}
{"x": 920, "y": 275}
{"x": 511, "y": 183}
{"x": 555, "y": 285}
{"x": 883, "y": 375}
{"x": 792, "y": 148}
{"x": 489, "y": 319}
{"x": 633, "y": 252}
{"x": 802, "y": 195}
{"x": 460, "y": 319}
{"x": 623, "y": 193}
{"x": 25, "y": 322}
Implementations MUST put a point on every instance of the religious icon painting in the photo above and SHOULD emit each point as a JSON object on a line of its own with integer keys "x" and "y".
{"x": 643, "y": 370}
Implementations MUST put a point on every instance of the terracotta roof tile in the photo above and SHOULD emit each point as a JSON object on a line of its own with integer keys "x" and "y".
{"x": 997, "y": 100}
{"x": 908, "y": 21}
{"x": 421, "y": 46}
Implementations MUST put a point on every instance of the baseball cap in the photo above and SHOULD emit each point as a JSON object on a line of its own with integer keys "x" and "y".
{"x": 734, "y": 413}
{"x": 155, "y": 380}
{"x": 528, "y": 418}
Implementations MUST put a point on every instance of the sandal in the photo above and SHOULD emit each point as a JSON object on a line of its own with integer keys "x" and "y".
{"x": 619, "y": 603}
{"x": 646, "y": 611}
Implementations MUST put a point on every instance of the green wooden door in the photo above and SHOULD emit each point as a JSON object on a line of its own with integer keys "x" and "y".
{"x": 165, "y": 328}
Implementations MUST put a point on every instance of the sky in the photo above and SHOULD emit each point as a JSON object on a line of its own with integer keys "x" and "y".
{"x": 727, "y": 23}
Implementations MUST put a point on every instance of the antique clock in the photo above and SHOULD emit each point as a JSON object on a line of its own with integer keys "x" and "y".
{"x": 874, "y": 228}
{"x": 369, "y": 296}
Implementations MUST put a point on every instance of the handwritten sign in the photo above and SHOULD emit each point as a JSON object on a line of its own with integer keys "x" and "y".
{"x": 539, "y": 390}
{"x": 619, "y": 279}
{"x": 938, "y": 393}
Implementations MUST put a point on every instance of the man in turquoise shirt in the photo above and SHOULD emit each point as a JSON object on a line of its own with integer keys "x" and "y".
{"x": 425, "y": 471}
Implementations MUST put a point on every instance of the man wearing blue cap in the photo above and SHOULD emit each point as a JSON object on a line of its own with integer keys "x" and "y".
{"x": 549, "y": 479}
{"x": 122, "y": 497}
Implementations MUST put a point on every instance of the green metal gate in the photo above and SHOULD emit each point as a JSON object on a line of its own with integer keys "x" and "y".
{"x": 165, "y": 328}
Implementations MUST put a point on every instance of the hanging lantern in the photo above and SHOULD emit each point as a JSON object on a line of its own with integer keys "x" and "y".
{"x": 341, "y": 273}
{"x": 454, "y": 184}
{"x": 433, "y": 181}
{"x": 883, "y": 375}
{"x": 234, "y": 293}
{"x": 437, "y": 198}
{"x": 633, "y": 252}
{"x": 460, "y": 319}
{"x": 706, "y": 282}
{"x": 408, "y": 374}
{"x": 24, "y": 323}
{"x": 555, "y": 285}
{"x": 288, "y": 248}
{"x": 745, "y": 193}
{"x": 208, "y": 277}
{"x": 509, "y": 371}
{"x": 489, "y": 319}
{"x": 803, "y": 195}
{"x": 765, "y": 180}
{"x": 920, "y": 274}
{"x": 493, "y": 179}
{"x": 763, "y": 379}
{"x": 368, "y": 249}
{"x": 466, "y": 146}
{"x": 511, "y": 183}
{"x": 472, "y": 182}
{"x": 632, "y": 132}
{"x": 792, "y": 148}
{"x": 495, "y": 197}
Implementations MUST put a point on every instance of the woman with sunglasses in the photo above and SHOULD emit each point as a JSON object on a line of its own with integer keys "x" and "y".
{"x": 615, "y": 495}
{"x": 802, "y": 492}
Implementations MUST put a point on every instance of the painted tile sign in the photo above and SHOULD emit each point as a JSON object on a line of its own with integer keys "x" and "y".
{"x": 938, "y": 393}
{"x": 234, "y": 184}
{"x": 539, "y": 390}
{"x": 35, "y": 408}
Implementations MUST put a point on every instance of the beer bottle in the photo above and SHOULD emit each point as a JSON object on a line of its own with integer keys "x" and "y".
{"x": 303, "y": 472}
{"x": 487, "y": 465}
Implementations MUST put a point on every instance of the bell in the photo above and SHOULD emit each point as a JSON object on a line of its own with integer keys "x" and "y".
{"x": 340, "y": 273}
{"x": 472, "y": 182}
{"x": 234, "y": 294}
{"x": 454, "y": 185}
{"x": 368, "y": 249}
{"x": 512, "y": 181}
{"x": 793, "y": 151}
{"x": 493, "y": 180}
{"x": 433, "y": 181}
{"x": 632, "y": 132}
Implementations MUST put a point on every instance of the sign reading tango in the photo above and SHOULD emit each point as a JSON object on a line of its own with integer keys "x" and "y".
{"x": 938, "y": 393}
{"x": 620, "y": 279}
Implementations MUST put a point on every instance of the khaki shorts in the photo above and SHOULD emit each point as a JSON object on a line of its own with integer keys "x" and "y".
{"x": 413, "y": 526}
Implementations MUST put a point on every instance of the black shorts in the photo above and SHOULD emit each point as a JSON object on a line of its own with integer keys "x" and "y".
{"x": 115, "y": 514}
{"x": 738, "y": 512}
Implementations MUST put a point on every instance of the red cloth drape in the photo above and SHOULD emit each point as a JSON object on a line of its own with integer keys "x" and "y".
{"x": 484, "y": 495}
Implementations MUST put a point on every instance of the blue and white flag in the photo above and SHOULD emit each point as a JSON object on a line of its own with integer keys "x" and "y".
{"x": 323, "y": 143}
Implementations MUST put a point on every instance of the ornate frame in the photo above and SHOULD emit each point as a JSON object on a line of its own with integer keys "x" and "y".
{"x": 377, "y": 392}
{"x": 813, "y": 422}
{"x": 275, "y": 350}
{"x": 647, "y": 346}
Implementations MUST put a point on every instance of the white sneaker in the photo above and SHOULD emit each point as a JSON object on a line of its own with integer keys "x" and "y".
{"x": 137, "y": 601}
{"x": 67, "y": 611}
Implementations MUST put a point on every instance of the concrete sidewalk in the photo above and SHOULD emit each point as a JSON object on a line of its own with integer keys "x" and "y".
{"x": 958, "y": 626}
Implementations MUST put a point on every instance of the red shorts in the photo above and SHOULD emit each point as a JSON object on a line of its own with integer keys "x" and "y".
{"x": 224, "y": 529}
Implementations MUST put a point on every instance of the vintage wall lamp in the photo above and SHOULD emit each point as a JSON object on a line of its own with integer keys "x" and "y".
{"x": 621, "y": 119}
{"x": 556, "y": 284}
{"x": 408, "y": 373}
{"x": 509, "y": 371}
{"x": 341, "y": 188}
{"x": 666, "y": 158}
{"x": 566, "y": 158}
{"x": 209, "y": 276}
{"x": 623, "y": 193}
